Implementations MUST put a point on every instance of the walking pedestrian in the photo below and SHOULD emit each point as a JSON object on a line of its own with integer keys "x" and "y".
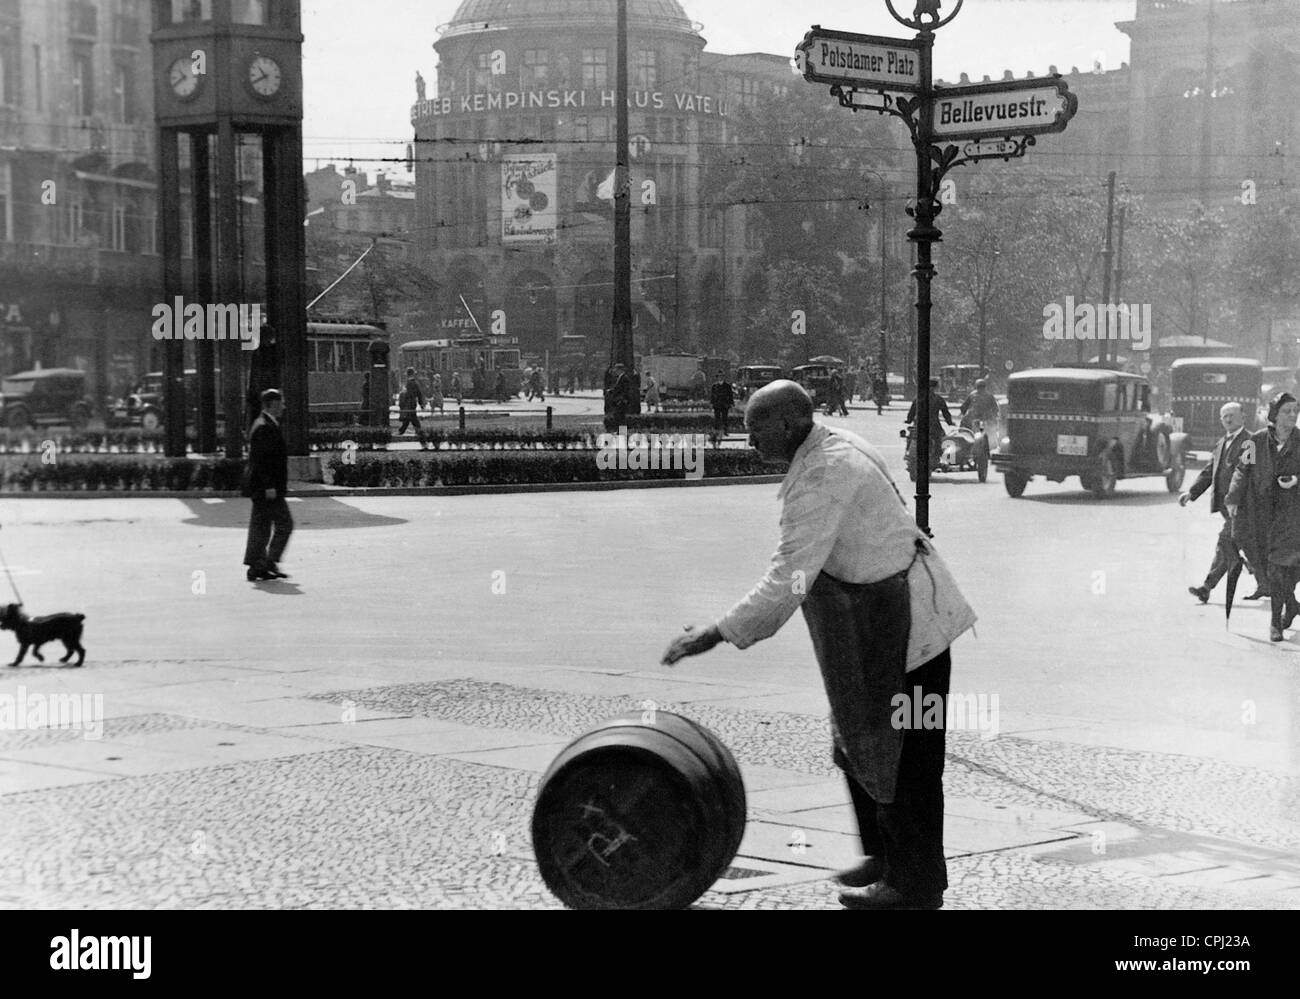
{"x": 270, "y": 523}
{"x": 721, "y": 398}
{"x": 537, "y": 385}
{"x": 1264, "y": 504}
{"x": 938, "y": 408}
{"x": 500, "y": 389}
{"x": 456, "y": 388}
{"x": 412, "y": 395}
{"x": 882, "y": 611}
{"x": 1217, "y": 477}
{"x": 435, "y": 395}
{"x": 880, "y": 391}
{"x": 617, "y": 401}
{"x": 651, "y": 394}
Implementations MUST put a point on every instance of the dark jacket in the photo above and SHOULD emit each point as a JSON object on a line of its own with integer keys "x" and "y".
{"x": 1218, "y": 472}
{"x": 721, "y": 396}
{"x": 1251, "y": 492}
{"x": 413, "y": 394}
{"x": 268, "y": 460}
{"x": 938, "y": 407}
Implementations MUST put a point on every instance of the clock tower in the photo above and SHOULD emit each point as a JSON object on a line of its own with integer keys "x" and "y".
{"x": 228, "y": 104}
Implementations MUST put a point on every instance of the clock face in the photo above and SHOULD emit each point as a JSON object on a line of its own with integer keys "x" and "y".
{"x": 184, "y": 81}
{"x": 264, "y": 76}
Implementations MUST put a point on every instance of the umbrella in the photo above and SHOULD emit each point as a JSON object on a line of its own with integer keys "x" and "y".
{"x": 1233, "y": 575}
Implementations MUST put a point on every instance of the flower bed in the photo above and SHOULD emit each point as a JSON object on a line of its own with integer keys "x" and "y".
{"x": 132, "y": 440}
{"x": 121, "y": 474}
{"x": 487, "y": 438}
{"x": 677, "y": 423}
{"x": 461, "y": 469}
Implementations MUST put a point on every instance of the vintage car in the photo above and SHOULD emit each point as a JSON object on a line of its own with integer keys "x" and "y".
{"x": 45, "y": 396}
{"x": 816, "y": 379}
{"x": 144, "y": 406}
{"x": 754, "y": 376}
{"x": 1200, "y": 386}
{"x": 963, "y": 449}
{"x": 1086, "y": 421}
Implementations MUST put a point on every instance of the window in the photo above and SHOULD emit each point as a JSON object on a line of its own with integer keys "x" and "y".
{"x": 124, "y": 93}
{"x": 152, "y": 247}
{"x": 594, "y": 69}
{"x": 6, "y": 202}
{"x": 119, "y": 228}
{"x": 479, "y": 76}
{"x": 645, "y": 70}
{"x": 712, "y": 234}
{"x": 9, "y": 71}
{"x": 690, "y": 66}
{"x": 248, "y": 12}
{"x": 536, "y": 67}
{"x": 191, "y": 10}
{"x": 582, "y": 128}
{"x": 83, "y": 88}
{"x": 39, "y": 92}
{"x": 600, "y": 128}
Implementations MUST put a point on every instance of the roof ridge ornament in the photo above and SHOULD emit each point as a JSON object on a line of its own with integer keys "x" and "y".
{"x": 925, "y": 9}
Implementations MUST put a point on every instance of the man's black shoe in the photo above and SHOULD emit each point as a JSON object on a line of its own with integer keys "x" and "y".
{"x": 259, "y": 576}
{"x": 1200, "y": 593}
{"x": 871, "y": 869}
{"x": 1257, "y": 595}
{"x": 880, "y": 896}
{"x": 275, "y": 573}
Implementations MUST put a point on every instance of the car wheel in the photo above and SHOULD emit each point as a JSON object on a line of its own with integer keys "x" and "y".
{"x": 79, "y": 417}
{"x": 1103, "y": 483}
{"x": 1164, "y": 451}
{"x": 982, "y": 465}
{"x": 18, "y": 419}
{"x": 151, "y": 420}
{"x": 1015, "y": 483}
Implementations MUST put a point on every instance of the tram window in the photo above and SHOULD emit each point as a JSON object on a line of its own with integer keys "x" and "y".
{"x": 313, "y": 362}
{"x": 359, "y": 362}
{"x": 329, "y": 359}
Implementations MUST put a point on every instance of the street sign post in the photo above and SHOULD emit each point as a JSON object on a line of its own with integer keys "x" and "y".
{"x": 1017, "y": 107}
{"x": 865, "y": 60}
{"x": 894, "y": 76}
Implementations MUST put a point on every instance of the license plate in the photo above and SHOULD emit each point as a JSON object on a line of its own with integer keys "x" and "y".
{"x": 1070, "y": 444}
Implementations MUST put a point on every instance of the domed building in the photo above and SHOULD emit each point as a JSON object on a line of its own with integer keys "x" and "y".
{"x": 514, "y": 161}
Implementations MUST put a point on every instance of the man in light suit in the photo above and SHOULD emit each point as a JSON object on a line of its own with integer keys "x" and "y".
{"x": 268, "y": 480}
{"x": 1217, "y": 476}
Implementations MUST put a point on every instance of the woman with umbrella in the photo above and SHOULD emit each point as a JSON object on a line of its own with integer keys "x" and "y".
{"x": 1264, "y": 502}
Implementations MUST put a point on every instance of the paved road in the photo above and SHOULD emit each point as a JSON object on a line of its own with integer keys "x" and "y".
{"x": 371, "y": 732}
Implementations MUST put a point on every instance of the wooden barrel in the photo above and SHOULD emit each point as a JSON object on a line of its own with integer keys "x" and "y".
{"x": 638, "y": 815}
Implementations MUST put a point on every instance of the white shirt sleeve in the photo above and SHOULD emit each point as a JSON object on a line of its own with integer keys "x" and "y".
{"x": 810, "y": 523}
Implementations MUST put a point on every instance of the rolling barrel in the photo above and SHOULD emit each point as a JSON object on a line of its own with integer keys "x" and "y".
{"x": 638, "y": 814}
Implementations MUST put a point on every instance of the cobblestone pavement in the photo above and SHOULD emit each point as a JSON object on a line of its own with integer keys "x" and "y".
{"x": 341, "y": 824}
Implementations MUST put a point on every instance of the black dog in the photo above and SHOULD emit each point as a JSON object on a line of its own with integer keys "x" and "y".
{"x": 65, "y": 628}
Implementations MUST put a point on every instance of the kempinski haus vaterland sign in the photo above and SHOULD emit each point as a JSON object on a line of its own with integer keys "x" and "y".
{"x": 998, "y": 121}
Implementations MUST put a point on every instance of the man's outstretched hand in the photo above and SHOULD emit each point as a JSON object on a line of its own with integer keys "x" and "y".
{"x": 691, "y": 643}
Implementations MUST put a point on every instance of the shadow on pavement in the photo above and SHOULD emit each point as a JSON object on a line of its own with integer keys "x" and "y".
{"x": 1082, "y": 498}
{"x": 314, "y": 513}
{"x": 279, "y": 588}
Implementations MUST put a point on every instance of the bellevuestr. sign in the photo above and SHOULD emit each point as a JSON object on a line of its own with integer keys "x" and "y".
{"x": 843, "y": 57}
{"x": 1017, "y": 107}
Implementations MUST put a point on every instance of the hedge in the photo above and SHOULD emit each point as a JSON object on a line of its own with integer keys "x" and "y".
{"x": 487, "y": 438}
{"x": 461, "y": 469}
{"x": 688, "y": 423}
{"x": 125, "y": 474}
{"x": 132, "y": 440}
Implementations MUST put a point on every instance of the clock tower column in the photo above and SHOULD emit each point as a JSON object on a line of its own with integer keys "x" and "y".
{"x": 225, "y": 70}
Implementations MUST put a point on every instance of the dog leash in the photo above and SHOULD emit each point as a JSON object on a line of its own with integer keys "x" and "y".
{"x": 17, "y": 595}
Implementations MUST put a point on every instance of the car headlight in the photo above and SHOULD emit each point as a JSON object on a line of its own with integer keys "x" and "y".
{"x": 1004, "y": 444}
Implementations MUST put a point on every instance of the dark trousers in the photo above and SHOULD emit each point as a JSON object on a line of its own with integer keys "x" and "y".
{"x": 1282, "y": 581}
{"x": 408, "y": 417}
{"x": 908, "y": 834}
{"x": 720, "y": 419}
{"x": 1225, "y": 556}
{"x": 269, "y": 528}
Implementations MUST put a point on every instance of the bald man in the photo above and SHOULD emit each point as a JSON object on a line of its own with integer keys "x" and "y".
{"x": 882, "y": 611}
{"x": 1218, "y": 474}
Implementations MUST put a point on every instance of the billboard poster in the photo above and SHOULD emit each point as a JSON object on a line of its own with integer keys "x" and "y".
{"x": 528, "y": 209}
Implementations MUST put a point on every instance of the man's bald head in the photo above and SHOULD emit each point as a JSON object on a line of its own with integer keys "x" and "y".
{"x": 778, "y": 418}
{"x": 1232, "y": 416}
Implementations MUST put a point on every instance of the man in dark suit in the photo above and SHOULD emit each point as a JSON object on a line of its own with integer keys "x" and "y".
{"x": 721, "y": 398}
{"x": 1217, "y": 476}
{"x": 270, "y": 525}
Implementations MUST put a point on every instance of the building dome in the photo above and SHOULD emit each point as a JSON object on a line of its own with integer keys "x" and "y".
{"x": 488, "y": 15}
